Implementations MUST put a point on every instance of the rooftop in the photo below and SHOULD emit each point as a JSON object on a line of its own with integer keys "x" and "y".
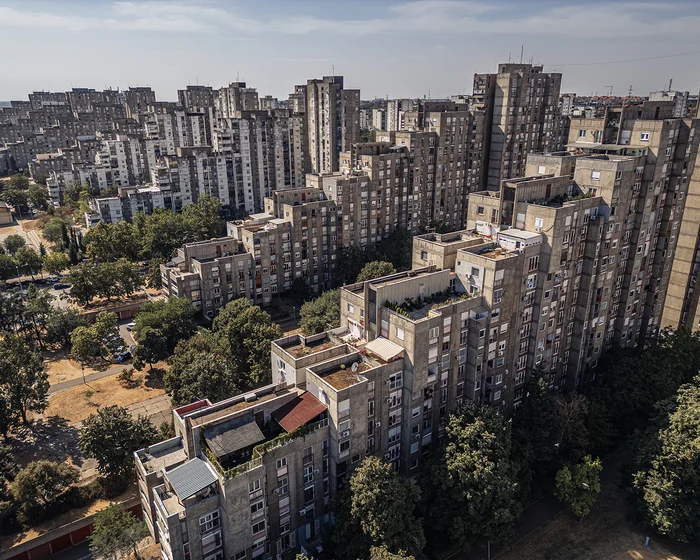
{"x": 341, "y": 376}
{"x": 298, "y": 411}
{"x": 163, "y": 455}
{"x": 299, "y": 346}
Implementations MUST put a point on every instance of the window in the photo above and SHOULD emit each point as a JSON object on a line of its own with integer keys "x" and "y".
{"x": 399, "y": 333}
{"x": 581, "y": 133}
{"x": 281, "y": 463}
{"x": 258, "y": 527}
{"x": 283, "y": 485}
{"x": 595, "y": 175}
{"x": 256, "y": 507}
{"x": 351, "y": 308}
{"x": 254, "y": 486}
{"x": 480, "y": 210}
{"x": 308, "y": 455}
{"x": 539, "y": 224}
{"x": 308, "y": 474}
{"x": 344, "y": 447}
{"x": 308, "y": 494}
{"x": 424, "y": 255}
{"x": 212, "y": 542}
{"x": 209, "y": 522}
{"x": 644, "y": 136}
{"x": 541, "y": 170}
{"x": 240, "y": 555}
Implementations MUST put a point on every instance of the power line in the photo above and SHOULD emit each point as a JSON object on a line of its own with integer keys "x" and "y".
{"x": 623, "y": 61}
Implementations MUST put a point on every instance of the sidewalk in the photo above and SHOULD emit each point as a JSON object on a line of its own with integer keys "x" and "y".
{"x": 58, "y": 387}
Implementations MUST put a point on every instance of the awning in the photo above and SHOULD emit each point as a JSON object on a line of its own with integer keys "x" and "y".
{"x": 190, "y": 478}
{"x": 383, "y": 348}
{"x": 233, "y": 435}
{"x": 298, "y": 411}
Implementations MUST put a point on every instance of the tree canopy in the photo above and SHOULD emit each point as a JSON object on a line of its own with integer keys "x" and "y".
{"x": 116, "y": 532}
{"x": 321, "y": 314}
{"x": 375, "y": 269}
{"x": 578, "y": 485}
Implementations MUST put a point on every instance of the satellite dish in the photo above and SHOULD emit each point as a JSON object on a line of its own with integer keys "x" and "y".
{"x": 355, "y": 366}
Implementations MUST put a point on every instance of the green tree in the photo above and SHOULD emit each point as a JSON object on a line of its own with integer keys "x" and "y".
{"x": 384, "y": 504}
{"x": 350, "y": 262}
{"x": 174, "y": 318}
{"x": 375, "y": 269}
{"x": 83, "y": 280}
{"x": 536, "y": 435}
{"x": 200, "y": 375}
{"x": 116, "y": 532}
{"x": 111, "y": 242}
{"x": 470, "y": 487}
{"x": 37, "y": 308}
{"x": 14, "y": 243}
{"x": 39, "y": 485}
{"x": 666, "y": 477}
{"x": 55, "y": 263}
{"x": 578, "y": 485}
{"x": 245, "y": 332}
{"x": 38, "y": 197}
{"x": 111, "y": 436}
{"x": 54, "y": 231}
{"x": 152, "y": 347}
{"x": 381, "y": 553}
{"x": 397, "y": 248}
{"x": 84, "y": 345}
{"x": 98, "y": 340}
{"x": 321, "y": 314}
{"x": 7, "y": 267}
{"x": 347, "y": 539}
{"x": 15, "y": 192}
{"x": 23, "y": 377}
{"x": 60, "y": 324}
{"x": 28, "y": 261}
{"x": 8, "y": 415}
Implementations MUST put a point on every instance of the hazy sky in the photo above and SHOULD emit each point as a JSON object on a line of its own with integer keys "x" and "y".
{"x": 399, "y": 48}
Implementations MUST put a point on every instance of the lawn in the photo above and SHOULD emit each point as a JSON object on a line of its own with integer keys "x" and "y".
{"x": 77, "y": 403}
{"x": 607, "y": 533}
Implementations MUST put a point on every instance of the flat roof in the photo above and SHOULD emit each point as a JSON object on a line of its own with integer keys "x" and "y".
{"x": 520, "y": 233}
{"x": 191, "y": 477}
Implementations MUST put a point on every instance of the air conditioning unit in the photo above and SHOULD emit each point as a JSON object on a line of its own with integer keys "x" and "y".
{"x": 302, "y": 511}
{"x": 387, "y": 400}
{"x": 387, "y": 382}
{"x": 501, "y": 352}
{"x": 345, "y": 433}
{"x": 378, "y": 424}
{"x": 316, "y": 471}
{"x": 387, "y": 456}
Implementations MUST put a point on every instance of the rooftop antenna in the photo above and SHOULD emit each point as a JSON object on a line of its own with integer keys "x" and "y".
{"x": 670, "y": 84}
{"x": 611, "y": 90}
{"x": 522, "y": 48}
{"x": 332, "y": 69}
{"x": 509, "y": 57}
{"x": 237, "y": 76}
{"x": 629, "y": 93}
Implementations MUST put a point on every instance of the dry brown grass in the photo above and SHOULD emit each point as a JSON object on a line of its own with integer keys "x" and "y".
{"x": 61, "y": 368}
{"x": 606, "y": 534}
{"x": 77, "y": 403}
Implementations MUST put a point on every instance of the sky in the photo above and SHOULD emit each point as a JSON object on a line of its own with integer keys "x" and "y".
{"x": 395, "y": 48}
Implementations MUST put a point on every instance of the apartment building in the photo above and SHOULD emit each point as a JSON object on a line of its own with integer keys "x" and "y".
{"x": 332, "y": 122}
{"x": 209, "y": 274}
{"x": 128, "y": 202}
{"x": 668, "y": 147}
{"x": 521, "y": 103}
{"x": 395, "y": 110}
{"x": 378, "y": 119}
{"x": 234, "y": 99}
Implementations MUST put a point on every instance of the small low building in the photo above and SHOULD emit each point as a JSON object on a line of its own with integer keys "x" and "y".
{"x": 5, "y": 214}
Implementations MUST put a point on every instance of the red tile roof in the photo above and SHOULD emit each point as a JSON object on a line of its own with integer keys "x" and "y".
{"x": 298, "y": 411}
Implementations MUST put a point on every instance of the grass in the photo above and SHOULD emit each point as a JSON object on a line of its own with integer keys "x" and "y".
{"x": 77, "y": 403}
{"x": 607, "y": 533}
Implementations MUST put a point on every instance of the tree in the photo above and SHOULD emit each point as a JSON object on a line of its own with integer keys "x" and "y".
{"x": 83, "y": 281}
{"x": 23, "y": 377}
{"x": 666, "y": 477}
{"x": 99, "y": 339}
{"x": 199, "y": 369}
{"x": 7, "y": 267}
{"x": 14, "y": 243}
{"x": 536, "y": 434}
{"x": 55, "y": 263}
{"x": 397, "y": 248}
{"x": 60, "y": 324}
{"x": 111, "y": 436}
{"x": 15, "y": 192}
{"x": 572, "y": 411}
{"x": 350, "y": 259}
{"x": 375, "y": 269}
{"x": 83, "y": 344}
{"x": 245, "y": 332}
{"x": 39, "y": 485}
{"x": 321, "y": 314}
{"x": 381, "y": 553}
{"x": 116, "y": 532}
{"x": 111, "y": 242}
{"x": 578, "y": 486}
{"x": 384, "y": 504}
{"x": 152, "y": 347}
{"x": 38, "y": 197}
{"x": 174, "y": 318}
{"x": 470, "y": 487}
{"x": 8, "y": 415}
{"x": 28, "y": 261}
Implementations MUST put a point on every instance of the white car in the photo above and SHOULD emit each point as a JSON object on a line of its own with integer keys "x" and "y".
{"x": 130, "y": 326}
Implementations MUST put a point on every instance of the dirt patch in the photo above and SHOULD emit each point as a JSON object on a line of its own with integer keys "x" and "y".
{"x": 28, "y": 225}
{"x": 52, "y": 439}
{"x": 606, "y": 533}
{"x": 77, "y": 403}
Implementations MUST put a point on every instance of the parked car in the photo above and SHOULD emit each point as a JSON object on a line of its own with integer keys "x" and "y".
{"x": 52, "y": 279}
{"x": 120, "y": 357}
{"x": 130, "y": 326}
{"x": 61, "y": 286}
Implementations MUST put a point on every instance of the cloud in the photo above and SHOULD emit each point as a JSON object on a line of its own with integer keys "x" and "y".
{"x": 441, "y": 18}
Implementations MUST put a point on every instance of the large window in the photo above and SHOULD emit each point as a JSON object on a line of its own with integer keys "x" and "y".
{"x": 209, "y": 521}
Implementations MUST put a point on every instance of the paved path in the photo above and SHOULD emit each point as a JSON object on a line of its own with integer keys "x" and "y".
{"x": 58, "y": 387}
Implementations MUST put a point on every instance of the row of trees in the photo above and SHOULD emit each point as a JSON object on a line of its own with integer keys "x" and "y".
{"x": 108, "y": 280}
